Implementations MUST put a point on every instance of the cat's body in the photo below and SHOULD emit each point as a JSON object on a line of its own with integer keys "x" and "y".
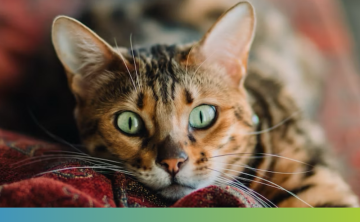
{"x": 161, "y": 85}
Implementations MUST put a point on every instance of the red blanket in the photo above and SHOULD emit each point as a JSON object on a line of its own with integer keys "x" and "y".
{"x": 27, "y": 181}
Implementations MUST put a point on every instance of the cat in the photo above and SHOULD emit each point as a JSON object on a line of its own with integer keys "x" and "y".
{"x": 185, "y": 116}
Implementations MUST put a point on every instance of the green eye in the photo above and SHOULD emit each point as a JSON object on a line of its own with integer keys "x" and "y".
{"x": 202, "y": 116}
{"x": 129, "y": 123}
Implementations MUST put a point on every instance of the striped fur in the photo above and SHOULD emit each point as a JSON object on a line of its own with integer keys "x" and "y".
{"x": 289, "y": 165}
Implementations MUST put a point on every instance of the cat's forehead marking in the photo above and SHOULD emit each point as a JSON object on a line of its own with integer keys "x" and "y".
{"x": 188, "y": 96}
{"x": 161, "y": 73}
{"x": 159, "y": 76}
{"x": 140, "y": 100}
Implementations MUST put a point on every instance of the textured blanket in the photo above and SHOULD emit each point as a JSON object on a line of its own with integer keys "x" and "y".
{"x": 31, "y": 175}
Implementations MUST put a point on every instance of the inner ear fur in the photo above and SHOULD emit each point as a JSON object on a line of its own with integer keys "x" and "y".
{"x": 85, "y": 56}
{"x": 228, "y": 42}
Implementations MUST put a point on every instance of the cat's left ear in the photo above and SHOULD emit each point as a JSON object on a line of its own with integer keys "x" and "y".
{"x": 229, "y": 40}
{"x": 84, "y": 55}
{"x": 80, "y": 50}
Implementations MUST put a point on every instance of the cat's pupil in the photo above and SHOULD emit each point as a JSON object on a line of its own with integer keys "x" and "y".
{"x": 201, "y": 117}
{"x": 130, "y": 123}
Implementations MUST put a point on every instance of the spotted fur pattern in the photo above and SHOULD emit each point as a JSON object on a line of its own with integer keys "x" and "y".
{"x": 287, "y": 165}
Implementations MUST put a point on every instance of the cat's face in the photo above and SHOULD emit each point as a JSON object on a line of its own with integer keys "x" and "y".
{"x": 167, "y": 111}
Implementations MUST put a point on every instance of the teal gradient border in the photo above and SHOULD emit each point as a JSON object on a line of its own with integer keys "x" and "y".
{"x": 177, "y": 215}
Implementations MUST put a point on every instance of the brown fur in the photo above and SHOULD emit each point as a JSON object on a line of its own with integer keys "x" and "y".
{"x": 165, "y": 84}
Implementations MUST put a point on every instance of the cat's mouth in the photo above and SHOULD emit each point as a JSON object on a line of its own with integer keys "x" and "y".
{"x": 176, "y": 184}
{"x": 176, "y": 190}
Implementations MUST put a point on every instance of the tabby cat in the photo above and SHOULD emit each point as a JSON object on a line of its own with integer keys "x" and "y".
{"x": 185, "y": 116}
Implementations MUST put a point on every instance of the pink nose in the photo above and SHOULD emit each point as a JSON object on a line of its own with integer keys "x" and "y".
{"x": 172, "y": 165}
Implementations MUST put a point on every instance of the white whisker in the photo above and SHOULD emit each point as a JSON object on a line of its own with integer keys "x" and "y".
{"x": 54, "y": 158}
{"x": 132, "y": 52}
{"x": 56, "y": 138}
{"x": 85, "y": 167}
{"x": 224, "y": 181}
{"x": 265, "y": 155}
{"x": 123, "y": 59}
{"x": 258, "y": 197}
{"x": 137, "y": 51}
{"x": 65, "y": 151}
{"x": 203, "y": 62}
{"x": 238, "y": 183}
{"x": 187, "y": 58}
{"x": 255, "y": 169}
{"x": 249, "y": 180}
{"x": 280, "y": 187}
{"x": 273, "y": 127}
{"x": 221, "y": 181}
{"x": 76, "y": 157}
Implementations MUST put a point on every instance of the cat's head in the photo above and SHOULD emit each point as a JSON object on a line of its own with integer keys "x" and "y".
{"x": 165, "y": 112}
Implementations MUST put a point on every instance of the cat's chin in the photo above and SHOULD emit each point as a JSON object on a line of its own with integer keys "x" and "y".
{"x": 175, "y": 191}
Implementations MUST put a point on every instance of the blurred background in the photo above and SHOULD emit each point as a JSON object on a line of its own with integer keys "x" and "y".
{"x": 33, "y": 89}
{"x": 352, "y": 16}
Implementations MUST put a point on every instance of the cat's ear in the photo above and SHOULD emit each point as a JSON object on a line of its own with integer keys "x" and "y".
{"x": 228, "y": 41}
{"x": 80, "y": 50}
{"x": 84, "y": 55}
